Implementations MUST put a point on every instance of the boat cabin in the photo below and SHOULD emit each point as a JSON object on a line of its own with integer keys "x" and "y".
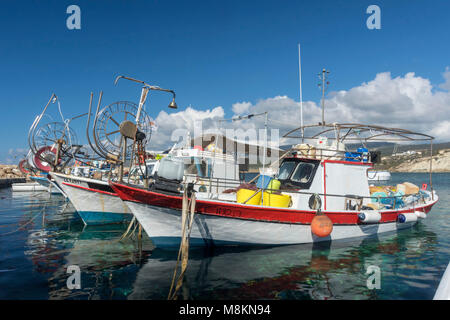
{"x": 340, "y": 184}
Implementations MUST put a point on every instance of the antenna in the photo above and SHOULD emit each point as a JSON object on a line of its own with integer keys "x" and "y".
{"x": 323, "y": 76}
{"x": 300, "y": 82}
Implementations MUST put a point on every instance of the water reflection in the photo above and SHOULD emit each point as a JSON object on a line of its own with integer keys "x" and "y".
{"x": 323, "y": 271}
{"x": 50, "y": 233}
{"x": 108, "y": 266}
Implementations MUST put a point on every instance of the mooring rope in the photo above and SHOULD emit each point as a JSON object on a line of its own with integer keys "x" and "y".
{"x": 187, "y": 219}
{"x": 25, "y": 224}
{"x": 129, "y": 228}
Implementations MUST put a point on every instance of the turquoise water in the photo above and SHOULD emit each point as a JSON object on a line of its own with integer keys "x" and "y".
{"x": 41, "y": 235}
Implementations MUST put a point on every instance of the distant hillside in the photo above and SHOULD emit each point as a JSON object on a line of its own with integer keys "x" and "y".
{"x": 387, "y": 148}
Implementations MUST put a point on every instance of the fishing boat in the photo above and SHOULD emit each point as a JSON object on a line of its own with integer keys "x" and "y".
{"x": 378, "y": 175}
{"x": 95, "y": 201}
{"x": 321, "y": 193}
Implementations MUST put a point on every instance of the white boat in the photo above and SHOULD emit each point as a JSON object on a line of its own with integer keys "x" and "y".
{"x": 443, "y": 290}
{"x": 378, "y": 175}
{"x": 28, "y": 186}
{"x": 95, "y": 201}
{"x": 328, "y": 192}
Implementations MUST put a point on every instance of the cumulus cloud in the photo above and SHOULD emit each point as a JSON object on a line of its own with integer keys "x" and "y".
{"x": 173, "y": 126}
{"x": 408, "y": 101}
{"x": 241, "y": 107}
{"x": 446, "y": 84}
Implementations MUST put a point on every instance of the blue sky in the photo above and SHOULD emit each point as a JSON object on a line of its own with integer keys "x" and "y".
{"x": 212, "y": 53}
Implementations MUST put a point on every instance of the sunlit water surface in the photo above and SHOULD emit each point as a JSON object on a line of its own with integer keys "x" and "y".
{"x": 41, "y": 236}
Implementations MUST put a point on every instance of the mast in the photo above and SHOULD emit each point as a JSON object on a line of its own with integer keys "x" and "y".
{"x": 323, "y": 76}
{"x": 301, "y": 97}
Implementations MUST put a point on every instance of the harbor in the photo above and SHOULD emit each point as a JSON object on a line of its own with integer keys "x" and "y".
{"x": 129, "y": 184}
{"x": 413, "y": 261}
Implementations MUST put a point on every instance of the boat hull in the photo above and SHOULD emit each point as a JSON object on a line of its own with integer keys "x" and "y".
{"x": 225, "y": 223}
{"x": 163, "y": 226}
{"x": 94, "y": 206}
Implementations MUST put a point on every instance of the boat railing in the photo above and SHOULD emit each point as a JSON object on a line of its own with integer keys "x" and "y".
{"x": 395, "y": 198}
{"x": 188, "y": 153}
{"x": 321, "y": 153}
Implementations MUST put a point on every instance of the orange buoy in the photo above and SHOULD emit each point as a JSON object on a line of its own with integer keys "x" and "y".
{"x": 321, "y": 225}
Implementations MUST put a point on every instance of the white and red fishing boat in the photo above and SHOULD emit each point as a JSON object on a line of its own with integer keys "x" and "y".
{"x": 95, "y": 201}
{"x": 326, "y": 188}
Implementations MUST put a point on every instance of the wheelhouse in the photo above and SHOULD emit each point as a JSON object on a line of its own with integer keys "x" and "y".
{"x": 297, "y": 173}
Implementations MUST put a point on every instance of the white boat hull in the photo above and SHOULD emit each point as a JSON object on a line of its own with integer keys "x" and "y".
{"x": 94, "y": 207}
{"x": 163, "y": 226}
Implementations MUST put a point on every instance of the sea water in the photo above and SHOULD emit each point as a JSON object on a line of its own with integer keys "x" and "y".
{"x": 41, "y": 236}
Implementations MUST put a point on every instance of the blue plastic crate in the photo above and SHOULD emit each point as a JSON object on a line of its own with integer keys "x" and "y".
{"x": 263, "y": 181}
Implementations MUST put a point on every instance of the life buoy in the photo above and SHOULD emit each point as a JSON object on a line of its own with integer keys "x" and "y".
{"x": 40, "y": 154}
{"x": 321, "y": 225}
{"x": 23, "y": 164}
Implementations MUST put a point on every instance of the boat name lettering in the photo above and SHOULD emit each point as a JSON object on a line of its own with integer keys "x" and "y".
{"x": 72, "y": 181}
{"x": 228, "y": 212}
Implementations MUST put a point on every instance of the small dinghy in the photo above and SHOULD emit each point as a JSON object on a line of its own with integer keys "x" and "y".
{"x": 28, "y": 186}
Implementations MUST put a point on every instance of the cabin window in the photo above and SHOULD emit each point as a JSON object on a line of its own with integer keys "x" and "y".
{"x": 286, "y": 169}
{"x": 297, "y": 173}
{"x": 303, "y": 172}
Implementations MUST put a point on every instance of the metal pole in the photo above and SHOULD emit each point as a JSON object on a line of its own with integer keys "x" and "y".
{"x": 264, "y": 158}
{"x": 301, "y": 97}
{"x": 431, "y": 169}
{"x": 323, "y": 97}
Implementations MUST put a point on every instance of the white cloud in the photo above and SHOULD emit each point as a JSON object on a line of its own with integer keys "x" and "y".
{"x": 241, "y": 107}
{"x": 409, "y": 102}
{"x": 178, "y": 123}
{"x": 446, "y": 84}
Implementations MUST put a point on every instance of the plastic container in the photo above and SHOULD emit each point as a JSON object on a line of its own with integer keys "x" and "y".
{"x": 353, "y": 156}
{"x": 364, "y": 154}
{"x": 171, "y": 169}
{"x": 244, "y": 194}
{"x": 410, "y": 188}
{"x": 263, "y": 182}
{"x": 276, "y": 200}
{"x": 274, "y": 185}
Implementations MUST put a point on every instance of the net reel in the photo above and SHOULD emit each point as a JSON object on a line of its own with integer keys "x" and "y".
{"x": 115, "y": 123}
{"x": 120, "y": 122}
{"x": 52, "y": 145}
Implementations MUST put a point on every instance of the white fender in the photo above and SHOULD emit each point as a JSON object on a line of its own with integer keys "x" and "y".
{"x": 420, "y": 214}
{"x": 369, "y": 216}
{"x": 407, "y": 217}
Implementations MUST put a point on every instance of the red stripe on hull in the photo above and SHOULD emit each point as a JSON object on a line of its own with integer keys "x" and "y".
{"x": 235, "y": 210}
{"x": 90, "y": 189}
